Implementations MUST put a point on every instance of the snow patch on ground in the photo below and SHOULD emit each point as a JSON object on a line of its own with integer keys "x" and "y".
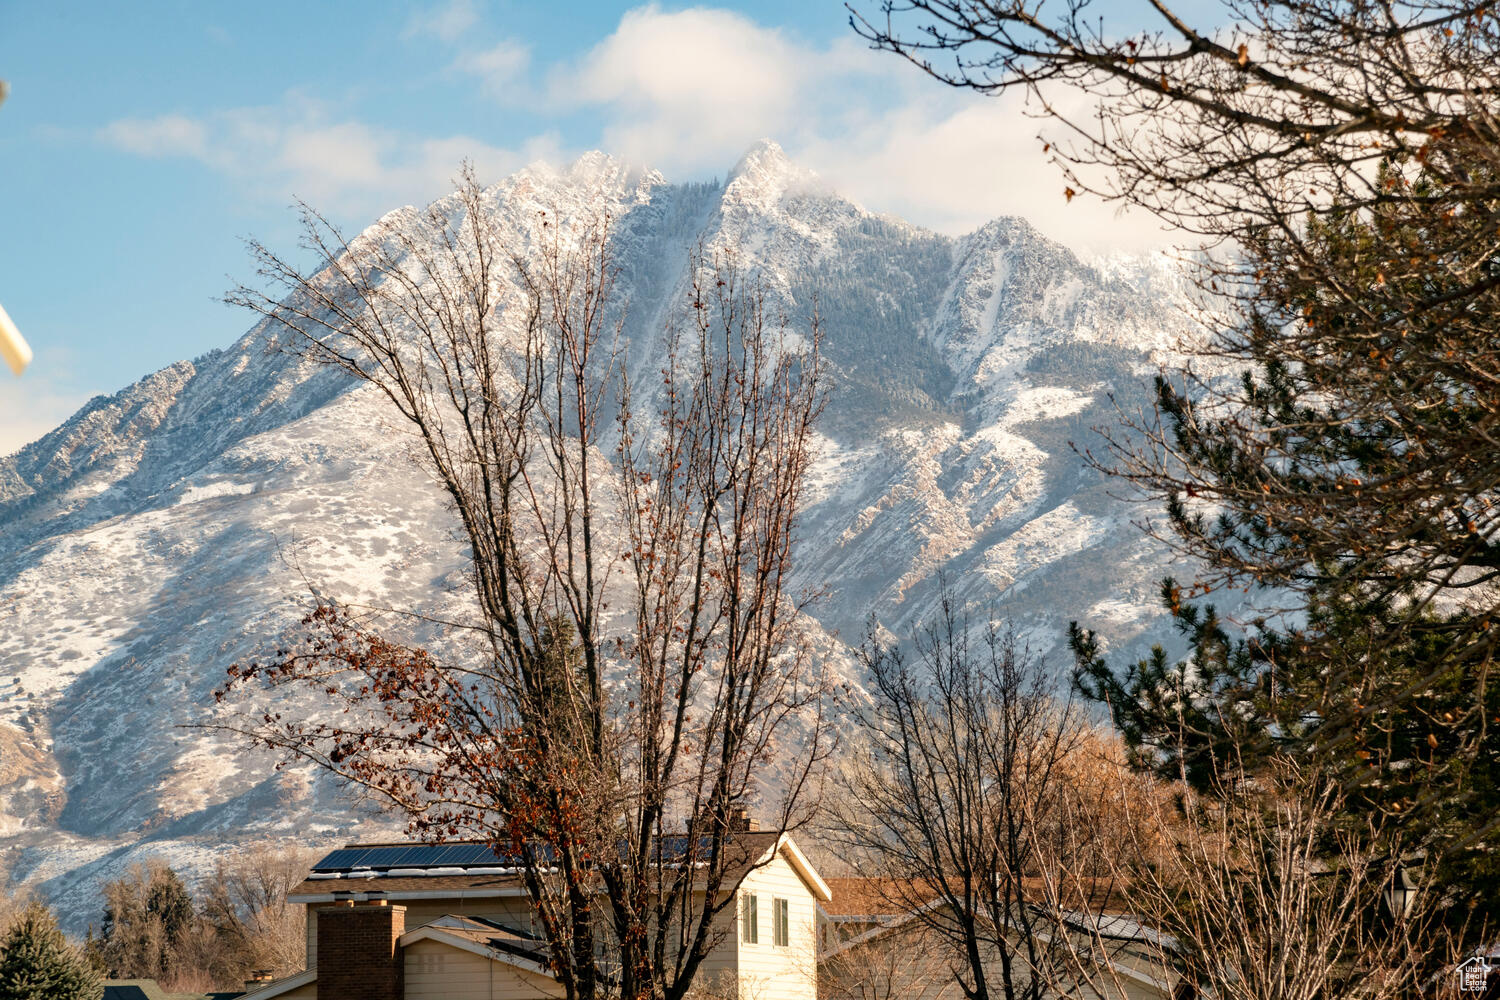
{"x": 1048, "y": 403}
{"x": 1120, "y": 612}
{"x": 195, "y": 494}
{"x": 1041, "y": 541}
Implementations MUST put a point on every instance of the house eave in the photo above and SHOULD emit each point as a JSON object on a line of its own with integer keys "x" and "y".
{"x": 280, "y": 986}
{"x": 801, "y": 865}
{"x": 428, "y": 932}
{"x": 397, "y": 895}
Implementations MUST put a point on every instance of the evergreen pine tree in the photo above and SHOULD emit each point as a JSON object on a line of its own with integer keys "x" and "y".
{"x": 37, "y": 963}
{"x": 1351, "y": 470}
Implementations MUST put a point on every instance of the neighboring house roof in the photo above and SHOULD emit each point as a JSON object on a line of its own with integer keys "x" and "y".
{"x": 132, "y": 989}
{"x": 280, "y": 986}
{"x": 879, "y": 902}
{"x": 430, "y": 885}
{"x": 487, "y": 876}
{"x": 1121, "y": 927}
{"x": 874, "y": 898}
{"x": 149, "y": 989}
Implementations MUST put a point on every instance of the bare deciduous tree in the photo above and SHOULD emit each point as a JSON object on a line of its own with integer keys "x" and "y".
{"x": 637, "y": 658}
{"x": 906, "y": 962}
{"x": 237, "y": 921}
{"x": 244, "y": 901}
{"x": 1221, "y": 118}
{"x": 148, "y": 915}
{"x": 1269, "y": 891}
{"x": 966, "y": 790}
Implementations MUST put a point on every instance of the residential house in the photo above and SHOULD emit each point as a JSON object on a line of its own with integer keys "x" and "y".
{"x": 417, "y": 921}
{"x": 451, "y": 921}
{"x": 876, "y": 942}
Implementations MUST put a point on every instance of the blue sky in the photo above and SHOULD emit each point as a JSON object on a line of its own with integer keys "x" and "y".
{"x": 143, "y": 141}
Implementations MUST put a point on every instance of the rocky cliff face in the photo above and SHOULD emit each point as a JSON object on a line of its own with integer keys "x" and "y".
{"x": 171, "y": 529}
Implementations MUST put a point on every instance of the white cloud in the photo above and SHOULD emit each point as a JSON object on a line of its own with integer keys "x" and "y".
{"x": 448, "y": 22}
{"x": 957, "y": 165}
{"x": 347, "y": 154}
{"x": 686, "y": 63}
{"x": 690, "y": 89}
{"x": 687, "y": 92}
{"x": 167, "y": 135}
{"x": 501, "y": 70}
{"x": 297, "y": 149}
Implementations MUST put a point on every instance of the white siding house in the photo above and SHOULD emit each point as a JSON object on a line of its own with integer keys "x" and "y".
{"x": 472, "y": 937}
{"x": 777, "y": 954}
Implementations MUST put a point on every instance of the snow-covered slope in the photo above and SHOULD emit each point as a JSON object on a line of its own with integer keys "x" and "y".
{"x": 167, "y": 531}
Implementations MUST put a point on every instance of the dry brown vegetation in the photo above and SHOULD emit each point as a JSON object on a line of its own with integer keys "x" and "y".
{"x": 236, "y": 922}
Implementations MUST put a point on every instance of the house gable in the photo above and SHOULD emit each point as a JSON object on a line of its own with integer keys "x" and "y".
{"x": 781, "y": 962}
{"x": 444, "y": 966}
{"x": 803, "y": 867}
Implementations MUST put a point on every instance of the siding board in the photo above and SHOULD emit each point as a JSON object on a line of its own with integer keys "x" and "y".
{"x": 436, "y": 971}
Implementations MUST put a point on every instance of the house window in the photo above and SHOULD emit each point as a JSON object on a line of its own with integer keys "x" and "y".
{"x": 781, "y": 926}
{"x": 749, "y": 920}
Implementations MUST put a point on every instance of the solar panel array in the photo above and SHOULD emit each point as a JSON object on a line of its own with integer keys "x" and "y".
{"x": 676, "y": 845}
{"x": 412, "y": 856}
{"x": 466, "y": 855}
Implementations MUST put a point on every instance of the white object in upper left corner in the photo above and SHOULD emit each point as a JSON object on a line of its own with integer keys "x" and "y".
{"x": 13, "y": 347}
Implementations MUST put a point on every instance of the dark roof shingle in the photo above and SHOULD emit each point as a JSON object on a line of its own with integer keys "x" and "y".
{"x": 742, "y": 852}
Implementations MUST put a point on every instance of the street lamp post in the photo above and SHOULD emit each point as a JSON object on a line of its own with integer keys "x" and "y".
{"x": 1400, "y": 894}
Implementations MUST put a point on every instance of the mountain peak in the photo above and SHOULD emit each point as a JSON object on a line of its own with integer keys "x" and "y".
{"x": 766, "y": 156}
{"x": 595, "y": 161}
{"x": 593, "y": 168}
{"x": 767, "y": 171}
{"x": 594, "y": 178}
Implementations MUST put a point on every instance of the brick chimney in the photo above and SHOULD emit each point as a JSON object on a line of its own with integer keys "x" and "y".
{"x": 738, "y": 817}
{"x": 358, "y": 957}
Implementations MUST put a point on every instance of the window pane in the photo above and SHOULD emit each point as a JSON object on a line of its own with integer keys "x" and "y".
{"x": 751, "y": 920}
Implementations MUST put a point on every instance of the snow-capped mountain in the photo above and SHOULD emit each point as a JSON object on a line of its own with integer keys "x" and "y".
{"x": 167, "y": 531}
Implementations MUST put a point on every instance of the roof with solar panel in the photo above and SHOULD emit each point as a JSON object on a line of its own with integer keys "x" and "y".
{"x": 397, "y": 858}
{"x": 395, "y": 870}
